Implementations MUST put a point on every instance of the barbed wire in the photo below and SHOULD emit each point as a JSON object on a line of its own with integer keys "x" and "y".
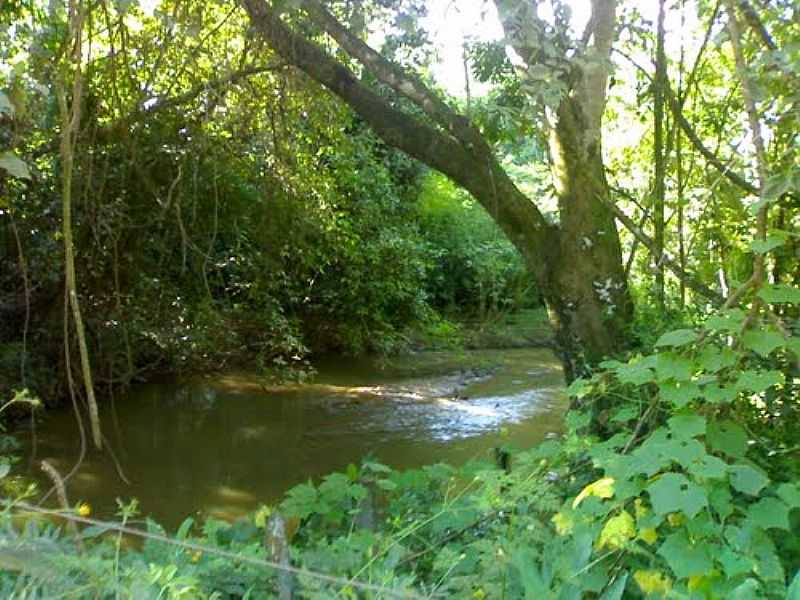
{"x": 252, "y": 560}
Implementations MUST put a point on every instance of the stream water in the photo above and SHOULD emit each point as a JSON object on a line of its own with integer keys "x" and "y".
{"x": 221, "y": 445}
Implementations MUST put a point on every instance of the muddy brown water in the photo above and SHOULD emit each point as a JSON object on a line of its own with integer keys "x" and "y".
{"x": 221, "y": 445}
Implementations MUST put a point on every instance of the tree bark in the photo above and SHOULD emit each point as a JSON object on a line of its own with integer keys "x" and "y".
{"x": 578, "y": 264}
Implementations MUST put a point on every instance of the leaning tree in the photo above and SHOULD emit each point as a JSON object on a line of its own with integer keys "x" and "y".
{"x": 577, "y": 263}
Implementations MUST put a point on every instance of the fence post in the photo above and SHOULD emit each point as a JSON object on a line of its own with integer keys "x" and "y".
{"x": 276, "y": 544}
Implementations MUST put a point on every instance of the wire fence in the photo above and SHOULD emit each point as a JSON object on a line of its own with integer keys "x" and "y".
{"x": 112, "y": 526}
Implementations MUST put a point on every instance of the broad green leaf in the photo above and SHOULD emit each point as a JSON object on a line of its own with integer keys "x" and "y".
{"x": 769, "y": 513}
{"x": 731, "y": 320}
{"x": 679, "y": 337}
{"x": 758, "y": 381}
{"x": 789, "y": 493}
{"x": 719, "y": 394}
{"x": 747, "y": 590}
{"x": 673, "y": 366}
{"x": 673, "y": 492}
{"x": 764, "y": 342}
{"x": 733, "y": 563}
{"x": 679, "y": 393}
{"x": 794, "y": 588}
{"x": 708, "y": 467}
{"x": 777, "y": 185}
{"x": 688, "y": 426}
{"x": 747, "y": 479}
{"x": 636, "y": 374}
{"x": 767, "y": 245}
{"x": 727, "y": 437}
{"x": 684, "y": 557}
{"x": 579, "y": 388}
{"x": 721, "y": 501}
{"x": 14, "y": 166}
{"x": 780, "y": 294}
{"x": 625, "y": 414}
{"x": 713, "y": 358}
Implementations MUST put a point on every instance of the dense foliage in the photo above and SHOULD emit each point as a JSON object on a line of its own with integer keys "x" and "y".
{"x": 227, "y": 210}
{"x": 222, "y": 224}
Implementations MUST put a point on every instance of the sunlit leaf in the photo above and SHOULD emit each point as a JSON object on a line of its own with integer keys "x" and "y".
{"x": 602, "y": 488}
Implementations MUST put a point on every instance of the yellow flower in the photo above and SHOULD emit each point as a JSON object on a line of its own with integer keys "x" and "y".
{"x": 653, "y": 582}
{"x": 196, "y": 556}
{"x": 84, "y": 509}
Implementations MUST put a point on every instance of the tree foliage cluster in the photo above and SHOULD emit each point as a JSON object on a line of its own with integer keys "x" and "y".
{"x": 226, "y": 210}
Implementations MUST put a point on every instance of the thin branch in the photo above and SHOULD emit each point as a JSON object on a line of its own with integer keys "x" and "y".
{"x": 687, "y": 128}
{"x": 691, "y": 280}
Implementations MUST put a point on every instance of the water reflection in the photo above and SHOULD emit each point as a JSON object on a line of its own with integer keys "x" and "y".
{"x": 222, "y": 445}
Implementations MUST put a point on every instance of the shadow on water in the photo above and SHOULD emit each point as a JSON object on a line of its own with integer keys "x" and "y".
{"x": 221, "y": 445}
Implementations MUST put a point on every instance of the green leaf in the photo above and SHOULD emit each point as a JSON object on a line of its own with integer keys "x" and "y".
{"x": 734, "y": 564}
{"x": 768, "y": 245}
{"x": 679, "y": 393}
{"x": 748, "y": 480}
{"x": 708, "y": 467}
{"x": 794, "y": 588}
{"x": 732, "y": 320}
{"x": 625, "y": 414}
{"x": 679, "y": 337}
{"x": 713, "y": 359}
{"x": 673, "y": 366}
{"x": 719, "y": 394}
{"x": 616, "y": 589}
{"x": 789, "y": 493}
{"x": 747, "y": 590}
{"x": 579, "y": 388}
{"x": 769, "y": 513}
{"x": 5, "y": 469}
{"x": 777, "y": 185}
{"x": 673, "y": 492}
{"x": 727, "y": 437}
{"x": 687, "y": 426}
{"x": 684, "y": 557}
{"x": 764, "y": 342}
{"x": 758, "y": 381}
{"x": 780, "y": 294}
{"x": 636, "y": 374}
{"x": 14, "y": 166}
{"x": 721, "y": 501}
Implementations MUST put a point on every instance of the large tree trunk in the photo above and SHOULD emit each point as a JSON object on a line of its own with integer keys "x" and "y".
{"x": 577, "y": 264}
{"x": 589, "y": 297}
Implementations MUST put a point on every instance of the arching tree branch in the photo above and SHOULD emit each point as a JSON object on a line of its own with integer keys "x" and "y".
{"x": 474, "y": 168}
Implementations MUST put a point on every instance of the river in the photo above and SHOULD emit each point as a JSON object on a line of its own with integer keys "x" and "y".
{"x": 221, "y": 445}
